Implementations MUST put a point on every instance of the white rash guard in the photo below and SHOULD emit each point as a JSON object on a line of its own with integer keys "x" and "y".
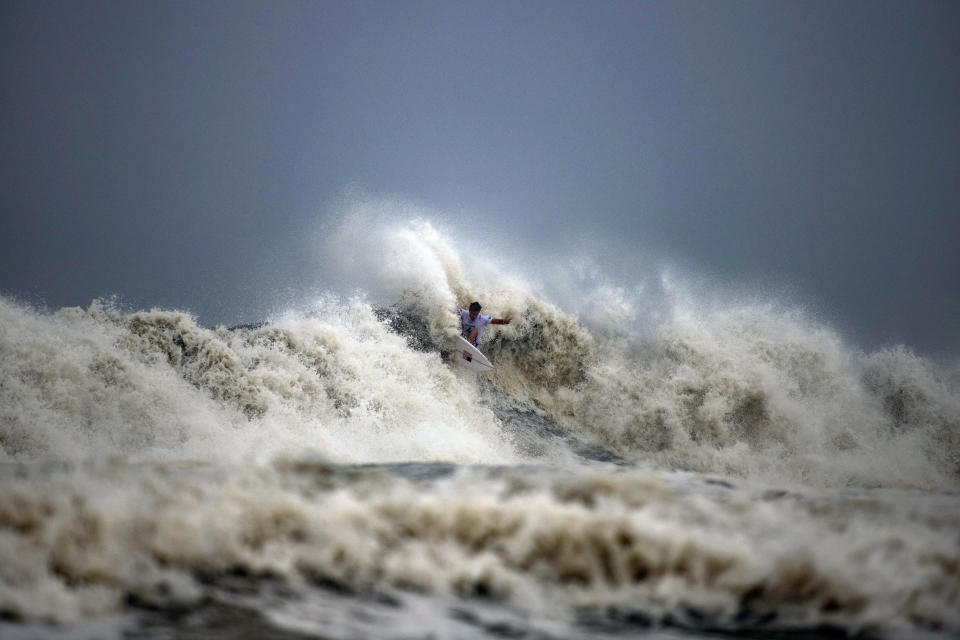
{"x": 466, "y": 324}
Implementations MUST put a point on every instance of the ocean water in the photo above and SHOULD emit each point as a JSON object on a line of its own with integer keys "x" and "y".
{"x": 733, "y": 471}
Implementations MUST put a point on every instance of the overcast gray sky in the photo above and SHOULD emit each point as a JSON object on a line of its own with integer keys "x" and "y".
{"x": 174, "y": 153}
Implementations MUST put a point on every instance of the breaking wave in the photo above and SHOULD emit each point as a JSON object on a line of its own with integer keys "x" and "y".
{"x": 753, "y": 391}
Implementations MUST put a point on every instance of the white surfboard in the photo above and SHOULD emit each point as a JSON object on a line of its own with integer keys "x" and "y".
{"x": 469, "y": 356}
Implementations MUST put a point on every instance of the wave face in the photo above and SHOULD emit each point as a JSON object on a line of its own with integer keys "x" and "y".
{"x": 632, "y": 460}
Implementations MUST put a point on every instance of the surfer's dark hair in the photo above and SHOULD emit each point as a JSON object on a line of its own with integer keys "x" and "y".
{"x": 475, "y": 306}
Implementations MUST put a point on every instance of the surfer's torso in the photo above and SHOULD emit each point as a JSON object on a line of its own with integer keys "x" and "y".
{"x": 467, "y": 324}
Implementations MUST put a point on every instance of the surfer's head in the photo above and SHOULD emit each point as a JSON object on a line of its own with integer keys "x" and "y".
{"x": 474, "y": 310}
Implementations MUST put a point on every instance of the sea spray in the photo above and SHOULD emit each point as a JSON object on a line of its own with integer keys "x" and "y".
{"x": 755, "y": 391}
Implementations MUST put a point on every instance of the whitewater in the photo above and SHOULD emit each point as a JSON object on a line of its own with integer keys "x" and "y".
{"x": 662, "y": 468}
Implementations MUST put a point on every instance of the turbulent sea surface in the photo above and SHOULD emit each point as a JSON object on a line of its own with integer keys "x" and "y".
{"x": 332, "y": 473}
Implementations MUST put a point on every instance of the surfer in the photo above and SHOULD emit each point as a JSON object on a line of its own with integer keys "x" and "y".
{"x": 472, "y": 323}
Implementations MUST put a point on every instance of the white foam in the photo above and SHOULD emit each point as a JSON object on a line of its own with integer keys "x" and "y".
{"x": 552, "y": 545}
{"x": 156, "y": 385}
